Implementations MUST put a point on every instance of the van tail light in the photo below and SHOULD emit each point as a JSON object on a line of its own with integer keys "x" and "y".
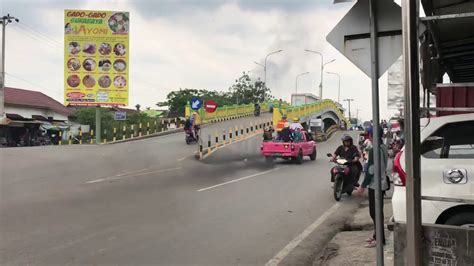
{"x": 292, "y": 147}
{"x": 399, "y": 176}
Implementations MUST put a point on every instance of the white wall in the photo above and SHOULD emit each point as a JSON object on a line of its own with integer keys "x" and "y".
{"x": 28, "y": 112}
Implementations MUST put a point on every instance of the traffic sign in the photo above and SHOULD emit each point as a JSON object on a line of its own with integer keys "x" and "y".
{"x": 351, "y": 36}
{"x": 195, "y": 103}
{"x": 210, "y": 106}
{"x": 120, "y": 116}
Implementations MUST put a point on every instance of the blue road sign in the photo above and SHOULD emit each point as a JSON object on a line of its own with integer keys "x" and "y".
{"x": 120, "y": 116}
{"x": 196, "y": 103}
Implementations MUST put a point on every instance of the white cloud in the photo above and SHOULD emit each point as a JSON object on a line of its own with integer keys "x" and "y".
{"x": 198, "y": 48}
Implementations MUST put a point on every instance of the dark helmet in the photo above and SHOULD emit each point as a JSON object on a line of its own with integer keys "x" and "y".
{"x": 347, "y": 138}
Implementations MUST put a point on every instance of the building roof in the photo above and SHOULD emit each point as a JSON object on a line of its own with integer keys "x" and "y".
{"x": 34, "y": 99}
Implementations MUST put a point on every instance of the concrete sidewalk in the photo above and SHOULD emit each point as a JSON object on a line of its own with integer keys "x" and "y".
{"x": 348, "y": 246}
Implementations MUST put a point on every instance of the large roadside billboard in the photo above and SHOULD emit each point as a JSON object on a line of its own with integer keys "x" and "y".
{"x": 96, "y": 49}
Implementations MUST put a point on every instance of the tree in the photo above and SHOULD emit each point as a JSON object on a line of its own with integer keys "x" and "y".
{"x": 86, "y": 116}
{"x": 244, "y": 91}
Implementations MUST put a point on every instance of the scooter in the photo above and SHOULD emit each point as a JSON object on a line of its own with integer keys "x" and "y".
{"x": 190, "y": 136}
{"x": 341, "y": 176}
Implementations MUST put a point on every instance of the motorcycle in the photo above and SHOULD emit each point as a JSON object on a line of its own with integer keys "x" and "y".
{"x": 190, "y": 137}
{"x": 341, "y": 176}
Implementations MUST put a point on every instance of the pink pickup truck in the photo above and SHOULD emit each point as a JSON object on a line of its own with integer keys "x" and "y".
{"x": 290, "y": 150}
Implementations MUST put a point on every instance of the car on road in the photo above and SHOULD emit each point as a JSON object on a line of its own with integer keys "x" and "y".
{"x": 447, "y": 172}
{"x": 290, "y": 150}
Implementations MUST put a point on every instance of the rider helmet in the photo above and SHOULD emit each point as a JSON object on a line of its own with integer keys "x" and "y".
{"x": 347, "y": 138}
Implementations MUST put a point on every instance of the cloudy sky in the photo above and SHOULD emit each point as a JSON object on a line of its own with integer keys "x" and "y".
{"x": 203, "y": 44}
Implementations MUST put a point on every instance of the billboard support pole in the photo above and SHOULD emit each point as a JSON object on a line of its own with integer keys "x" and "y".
{"x": 379, "y": 220}
{"x": 97, "y": 125}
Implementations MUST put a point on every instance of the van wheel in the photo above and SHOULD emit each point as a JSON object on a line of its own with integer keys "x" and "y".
{"x": 462, "y": 219}
{"x": 312, "y": 156}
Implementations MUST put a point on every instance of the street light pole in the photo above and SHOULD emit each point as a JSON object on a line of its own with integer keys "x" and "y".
{"x": 349, "y": 103}
{"x": 265, "y": 69}
{"x": 296, "y": 82}
{"x": 322, "y": 70}
{"x": 339, "y": 85}
{"x": 5, "y": 20}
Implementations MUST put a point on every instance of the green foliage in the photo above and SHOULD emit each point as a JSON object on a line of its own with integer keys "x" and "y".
{"x": 244, "y": 91}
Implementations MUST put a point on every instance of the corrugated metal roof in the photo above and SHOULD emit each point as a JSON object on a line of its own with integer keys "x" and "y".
{"x": 33, "y": 99}
{"x": 452, "y": 39}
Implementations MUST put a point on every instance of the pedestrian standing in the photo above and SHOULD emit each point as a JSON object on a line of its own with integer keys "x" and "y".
{"x": 369, "y": 182}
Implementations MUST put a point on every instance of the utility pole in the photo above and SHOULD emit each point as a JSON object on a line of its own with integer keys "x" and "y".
{"x": 357, "y": 114}
{"x": 5, "y": 20}
{"x": 349, "y": 103}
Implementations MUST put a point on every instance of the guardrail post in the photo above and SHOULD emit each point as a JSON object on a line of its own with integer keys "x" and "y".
{"x": 105, "y": 135}
{"x": 140, "y": 129}
{"x": 148, "y": 128}
{"x": 60, "y": 142}
{"x": 115, "y": 134}
{"x": 124, "y": 132}
{"x": 92, "y": 136}
{"x": 70, "y": 140}
{"x": 132, "y": 133}
{"x": 223, "y": 136}
{"x": 80, "y": 135}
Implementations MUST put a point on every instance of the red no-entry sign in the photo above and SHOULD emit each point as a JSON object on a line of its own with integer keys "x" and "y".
{"x": 210, "y": 106}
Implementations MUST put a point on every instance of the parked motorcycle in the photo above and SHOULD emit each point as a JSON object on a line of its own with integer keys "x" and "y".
{"x": 341, "y": 176}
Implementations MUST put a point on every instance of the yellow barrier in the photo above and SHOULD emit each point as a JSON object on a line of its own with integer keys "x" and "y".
{"x": 228, "y": 111}
{"x": 305, "y": 110}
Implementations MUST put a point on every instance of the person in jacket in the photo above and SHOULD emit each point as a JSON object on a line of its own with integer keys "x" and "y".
{"x": 351, "y": 153}
{"x": 369, "y": 182}
{"x": 285, "y": 133}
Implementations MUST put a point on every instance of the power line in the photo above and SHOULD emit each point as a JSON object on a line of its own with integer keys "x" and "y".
{"x": 31, "y": 29}
{"x": 57, "y": 92}
{"x": 34, "y": 37}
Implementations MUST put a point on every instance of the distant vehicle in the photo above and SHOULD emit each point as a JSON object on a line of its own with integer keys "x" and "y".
{"x": 447, "y": 161}
{"x": 290, "y": 150}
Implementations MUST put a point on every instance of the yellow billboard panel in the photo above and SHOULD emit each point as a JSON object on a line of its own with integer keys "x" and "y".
{"x": 96, "y": 49}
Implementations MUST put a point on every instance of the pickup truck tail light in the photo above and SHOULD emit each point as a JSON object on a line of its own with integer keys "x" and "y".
{"x": 399, "y": 176}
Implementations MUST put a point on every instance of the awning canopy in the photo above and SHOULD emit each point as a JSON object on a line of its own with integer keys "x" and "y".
{"x": 448, "y": 45}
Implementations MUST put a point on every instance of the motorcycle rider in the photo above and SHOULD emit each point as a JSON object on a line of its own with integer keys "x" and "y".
{"x": 351, "y": 153}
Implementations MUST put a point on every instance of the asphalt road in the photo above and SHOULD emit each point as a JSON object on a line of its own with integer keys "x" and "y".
{"x": 150, "y": 202}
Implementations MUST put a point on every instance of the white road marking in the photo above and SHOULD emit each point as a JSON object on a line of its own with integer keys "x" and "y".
{"x": 132, "y": 175}
{"x": 95, "y": 181}
{"x": 129, "y": 173}
{"x": 295, "y": 242}
{"x": 237, "y": 180}
{"x": 182, "y": 159}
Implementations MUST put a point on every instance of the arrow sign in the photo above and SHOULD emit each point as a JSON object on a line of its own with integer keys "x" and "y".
{"x": 351, "y": 36}
{"x": 210, "y": 106}
{"x": 196, "y": 103}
